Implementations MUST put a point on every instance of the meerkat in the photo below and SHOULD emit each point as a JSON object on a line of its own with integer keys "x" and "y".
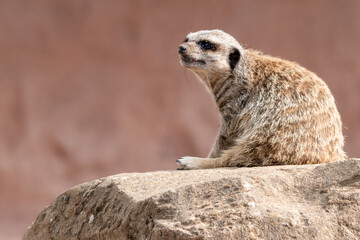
{"x": 273, "y": 111}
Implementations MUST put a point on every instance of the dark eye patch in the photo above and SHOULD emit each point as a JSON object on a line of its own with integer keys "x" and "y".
{"x": 186, "y": 40}
{"x": 206, "y": 45}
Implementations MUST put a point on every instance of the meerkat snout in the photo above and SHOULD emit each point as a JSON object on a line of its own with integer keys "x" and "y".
{"x": 182, "y": 49}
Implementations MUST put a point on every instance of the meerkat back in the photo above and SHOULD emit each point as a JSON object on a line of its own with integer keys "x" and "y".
{"x": 272, "y": 111}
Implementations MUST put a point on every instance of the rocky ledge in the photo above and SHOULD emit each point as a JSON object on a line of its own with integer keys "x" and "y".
{"x": 279, "y": 202}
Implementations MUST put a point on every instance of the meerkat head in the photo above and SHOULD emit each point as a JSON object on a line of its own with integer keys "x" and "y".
{"x": 210, "y": 52}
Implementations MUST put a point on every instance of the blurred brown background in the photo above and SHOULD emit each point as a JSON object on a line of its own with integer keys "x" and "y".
{"x": 93, "y": 88}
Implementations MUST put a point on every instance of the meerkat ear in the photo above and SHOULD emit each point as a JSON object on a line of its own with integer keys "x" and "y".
{"x": 234, "y": 58}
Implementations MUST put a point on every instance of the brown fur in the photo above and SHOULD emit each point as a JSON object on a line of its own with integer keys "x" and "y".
{"x": 272, "y": 111}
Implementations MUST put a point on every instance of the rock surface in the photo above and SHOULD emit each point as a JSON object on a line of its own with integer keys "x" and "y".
{"x": 279, "y": 202}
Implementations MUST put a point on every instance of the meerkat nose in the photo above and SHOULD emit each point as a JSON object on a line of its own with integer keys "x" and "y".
{"x": 182, "y": 49}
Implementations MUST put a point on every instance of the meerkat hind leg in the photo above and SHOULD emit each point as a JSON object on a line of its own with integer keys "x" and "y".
{"x": 188, "y": 163}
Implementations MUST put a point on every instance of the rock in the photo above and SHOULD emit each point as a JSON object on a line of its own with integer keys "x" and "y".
{"x": 278, "y": 202}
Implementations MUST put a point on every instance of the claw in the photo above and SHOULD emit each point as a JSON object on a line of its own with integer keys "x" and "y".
{"x": 181, "y": 167}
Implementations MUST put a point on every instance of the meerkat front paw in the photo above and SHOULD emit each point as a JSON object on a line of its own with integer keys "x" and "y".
{"x": 188, "y": 163}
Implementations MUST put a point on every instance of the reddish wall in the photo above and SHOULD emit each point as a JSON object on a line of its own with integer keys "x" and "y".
{"x": 89, "y": 89}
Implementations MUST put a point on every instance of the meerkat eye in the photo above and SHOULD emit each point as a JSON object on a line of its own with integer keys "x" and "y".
{"x": 206, "y": 45}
